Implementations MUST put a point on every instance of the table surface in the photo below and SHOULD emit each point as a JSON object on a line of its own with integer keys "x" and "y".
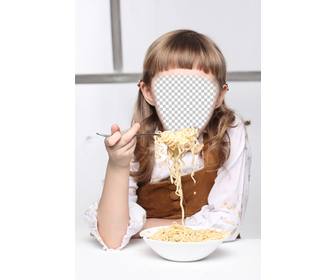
{"x": 232, "y": 260}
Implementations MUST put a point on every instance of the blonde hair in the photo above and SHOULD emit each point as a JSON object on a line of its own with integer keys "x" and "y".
{"x": 181, "y": 49}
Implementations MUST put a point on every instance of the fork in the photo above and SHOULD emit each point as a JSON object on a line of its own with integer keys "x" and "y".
{"x": 138, "y": 134}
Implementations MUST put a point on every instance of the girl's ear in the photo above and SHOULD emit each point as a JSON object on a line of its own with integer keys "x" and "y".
{"x": 221, "y": 95}
{"x": 146, "y": 92}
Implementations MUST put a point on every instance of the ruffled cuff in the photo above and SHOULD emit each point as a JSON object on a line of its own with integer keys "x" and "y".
{"x": 136, "y": 222}
{"x": 222, "y": 219}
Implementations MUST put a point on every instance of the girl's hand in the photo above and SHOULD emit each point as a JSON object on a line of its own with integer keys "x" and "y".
{"x": 120, "y": 147}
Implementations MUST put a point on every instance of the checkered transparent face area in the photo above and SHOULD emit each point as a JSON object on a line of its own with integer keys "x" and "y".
{"x": 184, "y": 100}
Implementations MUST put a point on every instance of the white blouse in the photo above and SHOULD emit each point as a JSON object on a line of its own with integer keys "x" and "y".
{"x": 226, "y": 201}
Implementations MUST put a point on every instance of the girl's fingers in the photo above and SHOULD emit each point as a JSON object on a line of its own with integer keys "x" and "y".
{"x": 129, "y": 145}
{"x": 113, "y": 139}
{"x": 131, "y": 149}
{"x": 127, "y": 136}
{"x": 114, "y": 128}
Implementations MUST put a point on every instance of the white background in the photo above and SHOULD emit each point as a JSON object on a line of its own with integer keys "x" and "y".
{"x": 235, "y": 27}
{"x": 37, "y": 178}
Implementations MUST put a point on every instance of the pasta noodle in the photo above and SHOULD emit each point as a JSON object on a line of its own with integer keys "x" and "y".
{"x": 180, "y": 233}
{"x": 178, "y": 143}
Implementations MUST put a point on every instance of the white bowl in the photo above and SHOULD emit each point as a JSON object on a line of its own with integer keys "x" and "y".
{"x": 180, "y": 251}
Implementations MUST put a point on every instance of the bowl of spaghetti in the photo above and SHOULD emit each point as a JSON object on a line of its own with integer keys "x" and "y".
{"x": 182, "y": 243}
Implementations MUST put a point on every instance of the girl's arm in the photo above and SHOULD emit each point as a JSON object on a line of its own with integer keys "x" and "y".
{"x": 113, "y": 212}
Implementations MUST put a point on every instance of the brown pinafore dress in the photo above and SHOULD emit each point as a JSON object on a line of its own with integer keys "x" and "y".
{"x": 160, "y": 201}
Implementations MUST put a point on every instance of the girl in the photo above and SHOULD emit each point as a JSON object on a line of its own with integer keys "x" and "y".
{"x": 137, "y": 192}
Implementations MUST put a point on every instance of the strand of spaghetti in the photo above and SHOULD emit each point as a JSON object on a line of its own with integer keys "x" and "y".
{"x": 178, "y": 143}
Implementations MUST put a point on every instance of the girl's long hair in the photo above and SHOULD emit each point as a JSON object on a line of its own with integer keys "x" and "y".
{"x": 181, "y": 49}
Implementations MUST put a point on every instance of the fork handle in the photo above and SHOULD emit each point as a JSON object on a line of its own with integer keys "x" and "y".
{"x": 138, "y": 134}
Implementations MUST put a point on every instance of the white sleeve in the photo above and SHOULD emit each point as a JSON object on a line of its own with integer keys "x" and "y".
{"x": 137, "y": 217}
{"x": 228, "y": 196}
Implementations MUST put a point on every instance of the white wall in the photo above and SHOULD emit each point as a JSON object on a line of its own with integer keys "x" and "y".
{"x": 93, "y": 37}
{"x": 234, "y": 25}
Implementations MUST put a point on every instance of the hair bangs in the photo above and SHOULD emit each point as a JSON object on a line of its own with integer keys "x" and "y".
{"x": 186, "y": 50}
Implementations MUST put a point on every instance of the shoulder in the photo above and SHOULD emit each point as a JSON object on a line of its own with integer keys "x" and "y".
{"x": 237, "y": 132}
{"x": 238, "y": 138}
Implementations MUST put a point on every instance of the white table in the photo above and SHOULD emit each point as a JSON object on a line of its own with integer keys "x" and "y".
{"x": 233, "y": 260}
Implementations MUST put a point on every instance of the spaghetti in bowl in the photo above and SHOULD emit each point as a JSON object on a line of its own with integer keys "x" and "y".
{"x": 180, "y": 243}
